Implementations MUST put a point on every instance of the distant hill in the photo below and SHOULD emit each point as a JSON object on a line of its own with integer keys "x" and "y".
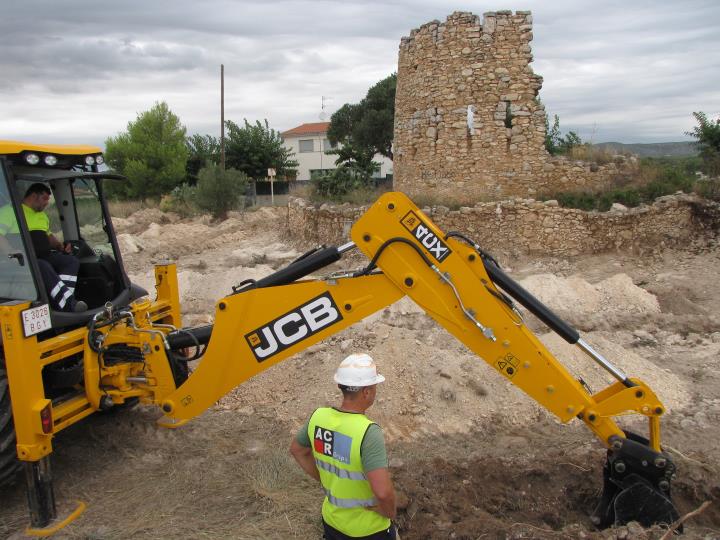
{"x": 666, "y": 149}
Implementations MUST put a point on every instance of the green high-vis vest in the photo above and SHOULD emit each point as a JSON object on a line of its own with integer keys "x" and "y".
{"x": 36, "y": 221}
{"x": 336, "y": 437}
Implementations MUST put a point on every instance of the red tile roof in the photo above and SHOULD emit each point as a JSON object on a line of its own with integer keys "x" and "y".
{"x": 307, "y": 129}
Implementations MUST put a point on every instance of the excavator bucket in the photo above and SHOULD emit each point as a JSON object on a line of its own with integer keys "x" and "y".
{"x": 636, "y": 486}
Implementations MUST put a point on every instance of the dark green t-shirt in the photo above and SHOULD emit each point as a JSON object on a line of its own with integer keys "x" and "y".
{"x": 372, "y": 449}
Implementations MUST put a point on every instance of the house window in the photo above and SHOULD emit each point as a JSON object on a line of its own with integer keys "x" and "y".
{"x": 319, "y": 173}
{"x": 327, "y": 146}
{"x": 306, "y": 145}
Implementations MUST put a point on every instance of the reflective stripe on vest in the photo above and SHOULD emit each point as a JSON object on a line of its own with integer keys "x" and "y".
{"x": 349, "y": 503}
{"x": 340, "y": 473}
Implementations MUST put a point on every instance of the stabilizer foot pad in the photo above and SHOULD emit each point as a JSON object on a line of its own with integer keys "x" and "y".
{"x": 56, "y": 524}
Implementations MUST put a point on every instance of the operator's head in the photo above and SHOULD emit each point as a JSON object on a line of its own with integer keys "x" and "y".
{"x": 37, "y": 196}
{"x": 357, "y": 377}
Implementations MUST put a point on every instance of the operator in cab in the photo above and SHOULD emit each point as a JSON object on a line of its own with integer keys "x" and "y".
{"x": 59, "y": 269}
{"x": 345, "y": 451}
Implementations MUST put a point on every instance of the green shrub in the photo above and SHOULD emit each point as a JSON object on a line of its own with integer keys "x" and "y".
{"x": 708, "y": 188}
{"x": 654, "y": 178}
{"x": 180, "y": 200}
{"x": 219, "y": 191}
{"x": 343, "y": 180}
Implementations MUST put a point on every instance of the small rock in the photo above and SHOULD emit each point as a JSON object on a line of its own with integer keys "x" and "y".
{"x": 636, "y": 531}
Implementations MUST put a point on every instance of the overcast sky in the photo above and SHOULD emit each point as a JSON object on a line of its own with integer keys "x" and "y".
{"x": 78, "y": 70}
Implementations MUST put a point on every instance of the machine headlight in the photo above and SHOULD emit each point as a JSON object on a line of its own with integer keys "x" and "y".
{"x": 50, "y": 160}
{"x": 100, "y": 160}
{"x": 89, "y": 160}
{"x": 32, "y": 159}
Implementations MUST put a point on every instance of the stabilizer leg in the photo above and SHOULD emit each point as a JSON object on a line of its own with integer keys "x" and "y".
{"x": 40, "y": 494}
{"x": 41, "y": 500}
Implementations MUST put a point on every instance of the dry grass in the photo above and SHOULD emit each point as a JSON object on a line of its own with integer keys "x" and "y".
{"x": 215, "y": 478}
{"x": 592, "y": 154}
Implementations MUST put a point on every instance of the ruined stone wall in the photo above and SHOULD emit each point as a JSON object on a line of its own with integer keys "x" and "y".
{"x": 468, "y": 126}
{"x": 526, "y": 226}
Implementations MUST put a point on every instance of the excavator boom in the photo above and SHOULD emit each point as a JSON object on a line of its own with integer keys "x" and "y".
{"x": 466, "y": 292}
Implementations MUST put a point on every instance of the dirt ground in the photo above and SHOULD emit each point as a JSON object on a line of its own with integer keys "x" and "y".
{"x": 471, "y": 456}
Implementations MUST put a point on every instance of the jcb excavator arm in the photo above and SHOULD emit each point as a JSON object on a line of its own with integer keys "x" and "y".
{"x": 466, "y": 292}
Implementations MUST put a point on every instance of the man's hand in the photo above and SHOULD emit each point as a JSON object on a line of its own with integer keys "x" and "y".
{"x": 67, "y": 247}
{"x": 55, "y": 244}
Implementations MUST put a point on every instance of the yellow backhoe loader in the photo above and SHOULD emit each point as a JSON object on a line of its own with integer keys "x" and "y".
{"x": 59, "y": 367}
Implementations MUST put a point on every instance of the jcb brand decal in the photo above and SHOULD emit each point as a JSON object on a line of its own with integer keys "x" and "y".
{"x": 425, "y": 236}
{"x": 296, "y": 325}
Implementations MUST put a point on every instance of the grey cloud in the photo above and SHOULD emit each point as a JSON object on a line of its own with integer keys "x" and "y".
{"x": 623, "y": 69}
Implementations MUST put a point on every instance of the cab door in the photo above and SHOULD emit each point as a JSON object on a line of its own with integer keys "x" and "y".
{"x": 16, "y": 278}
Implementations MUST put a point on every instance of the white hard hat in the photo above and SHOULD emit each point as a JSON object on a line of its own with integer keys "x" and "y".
{"x": 358, "y": 370}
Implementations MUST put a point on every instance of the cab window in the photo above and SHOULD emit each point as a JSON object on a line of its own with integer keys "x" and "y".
{"x": 90, "y": 217}
{"x": 16, "y": 281}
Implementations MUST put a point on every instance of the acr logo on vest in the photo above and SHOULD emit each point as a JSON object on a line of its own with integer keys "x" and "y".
{"x": 292, "y": 327}
{"x": 437, "y": 248}
{"x": 332, "y": 444}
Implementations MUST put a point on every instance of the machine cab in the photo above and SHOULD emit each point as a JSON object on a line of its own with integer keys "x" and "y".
{"x": 77, "y": 213}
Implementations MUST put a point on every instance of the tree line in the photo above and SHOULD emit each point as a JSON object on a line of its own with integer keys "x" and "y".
{"x": 159, "y": 158}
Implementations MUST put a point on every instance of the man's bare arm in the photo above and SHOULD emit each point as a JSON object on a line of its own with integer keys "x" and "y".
{"x": 305, "y": 459}
{"x": 382, "y": 488}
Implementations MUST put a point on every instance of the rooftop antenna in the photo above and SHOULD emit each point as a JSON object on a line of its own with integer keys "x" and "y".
{"x": 323, "y": 99}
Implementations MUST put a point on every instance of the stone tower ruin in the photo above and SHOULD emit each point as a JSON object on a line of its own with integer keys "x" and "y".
{"x": 468, "y": 125}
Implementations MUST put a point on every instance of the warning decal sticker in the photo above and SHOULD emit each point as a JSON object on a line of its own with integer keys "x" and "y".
{"x": 507, "y": 365}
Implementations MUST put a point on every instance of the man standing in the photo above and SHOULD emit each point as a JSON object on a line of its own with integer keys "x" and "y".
{"x": 345, "y": 451}
{"x": 58, "y": 268}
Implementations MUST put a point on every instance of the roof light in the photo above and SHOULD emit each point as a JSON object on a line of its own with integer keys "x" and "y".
{"x": 50, "y": 160}
{"x": 32, "y": 159}
{"x": 89, "y": 160}
{"x": 99, "y": 160}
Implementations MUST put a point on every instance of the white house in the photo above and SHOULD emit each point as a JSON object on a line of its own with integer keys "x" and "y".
{"x": 309, "y": 143}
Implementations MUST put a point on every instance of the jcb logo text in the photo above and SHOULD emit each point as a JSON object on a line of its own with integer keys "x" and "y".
{"x": 300, "y": 323}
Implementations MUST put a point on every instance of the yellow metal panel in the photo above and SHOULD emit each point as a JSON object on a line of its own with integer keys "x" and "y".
{"x": 24, "y": 370}
{"x": 15, "y": 147}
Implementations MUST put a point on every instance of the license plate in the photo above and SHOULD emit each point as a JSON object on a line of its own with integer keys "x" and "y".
{"x": 36, "y": 320}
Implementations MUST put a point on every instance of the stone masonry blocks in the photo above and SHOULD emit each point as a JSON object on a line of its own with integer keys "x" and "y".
{"x": 468, "y": 125}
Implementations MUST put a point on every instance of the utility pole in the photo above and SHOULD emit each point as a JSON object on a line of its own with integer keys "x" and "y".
{"x": 222, "y": 117}
{"x": 323, "y": 116}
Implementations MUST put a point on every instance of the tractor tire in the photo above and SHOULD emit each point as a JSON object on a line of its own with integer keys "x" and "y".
{"x": 9, "y": 463}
